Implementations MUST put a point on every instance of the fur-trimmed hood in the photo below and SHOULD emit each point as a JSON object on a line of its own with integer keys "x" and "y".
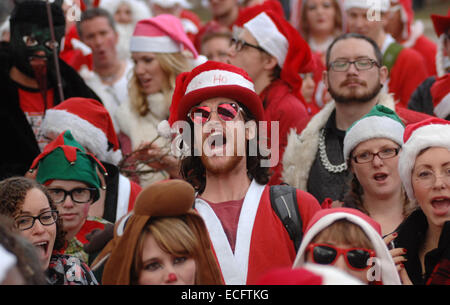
{"x": 301, "y": 149}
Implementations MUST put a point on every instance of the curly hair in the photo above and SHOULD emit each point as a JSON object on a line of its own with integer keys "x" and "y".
{"x": 172, "y": 64}
{"x": 194, "y": 172}
{"x": 12, "y": 196}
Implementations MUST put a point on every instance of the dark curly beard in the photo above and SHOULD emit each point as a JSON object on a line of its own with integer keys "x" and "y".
{"x": 350, "y": 98}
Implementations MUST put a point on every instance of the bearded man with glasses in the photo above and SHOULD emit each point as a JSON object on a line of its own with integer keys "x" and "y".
{"x": 355, "y": 75}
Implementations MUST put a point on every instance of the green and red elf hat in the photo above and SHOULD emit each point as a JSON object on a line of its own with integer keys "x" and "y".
{"x": 65, "y": 159}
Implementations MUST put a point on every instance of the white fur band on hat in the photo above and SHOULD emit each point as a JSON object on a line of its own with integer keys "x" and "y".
{"x": 161, "y": 44}
{"x": 213, "y": 78}
{"x": 268, "y": 37}
{"x": 442, "y": 110}
{"x": 88, "y": 135}
{"x": 434, "y": 135}
{"x": 381, "y": 5}
{"x": 371, "y": 128}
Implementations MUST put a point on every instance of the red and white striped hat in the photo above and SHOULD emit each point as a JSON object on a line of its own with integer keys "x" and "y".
{"x": 213, "y": 79}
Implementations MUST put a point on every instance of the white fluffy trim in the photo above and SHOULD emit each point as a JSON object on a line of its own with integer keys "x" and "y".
{"x": 371, "y": 128}
{"x": 442, "y": 109}
{"x": 88, "y": 135}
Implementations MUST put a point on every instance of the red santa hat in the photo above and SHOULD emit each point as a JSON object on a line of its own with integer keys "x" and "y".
{"x": 161, "y": 34}
{"x": 441, "y": 23}
{"x": 406, "y": 15}
{"x": 433, "y": 132}
{"x": 90, "y": 124}
{"x": 372, "y": 229}
{"x": 209, "y": 80}
{"x": 281, "y": 40}
{"x": 440, "y": 91}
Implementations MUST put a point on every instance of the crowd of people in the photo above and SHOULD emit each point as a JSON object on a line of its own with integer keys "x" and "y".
{"x": 306, "y": 143}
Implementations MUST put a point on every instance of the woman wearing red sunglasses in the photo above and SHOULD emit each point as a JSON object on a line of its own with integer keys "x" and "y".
{"x": 350, "y": 241}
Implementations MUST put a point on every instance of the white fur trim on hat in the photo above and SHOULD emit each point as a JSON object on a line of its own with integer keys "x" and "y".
{"x": 381, "y": 5}
{"x": 159, "y": 44}
{"x": 88, "y": 135}
{"x": 442, "y": 109}
{"x": 213, "y": 78}
{"x": 268, "y": 37}
{"x": 370, "y": 128}
{"x": 7, "y": 261}
{"x": 171, "y": 3}
{"x": 434, "y": 135}
{"x": 389, "y": 274}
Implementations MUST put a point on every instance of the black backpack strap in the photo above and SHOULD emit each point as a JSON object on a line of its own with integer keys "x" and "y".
{"x": 283, "y": 199}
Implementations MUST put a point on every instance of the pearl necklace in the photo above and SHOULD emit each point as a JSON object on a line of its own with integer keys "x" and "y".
{"x": 324, "y": 158}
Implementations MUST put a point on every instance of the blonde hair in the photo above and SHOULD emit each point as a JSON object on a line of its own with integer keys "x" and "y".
{"x": 344, "y": 232}
{"x": 172, "y": 64}
{"x": 173, "y": 236}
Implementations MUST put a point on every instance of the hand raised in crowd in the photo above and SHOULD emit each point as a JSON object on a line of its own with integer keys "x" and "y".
{"x": 398, "y": 257}
{"x": 161, "y": 159}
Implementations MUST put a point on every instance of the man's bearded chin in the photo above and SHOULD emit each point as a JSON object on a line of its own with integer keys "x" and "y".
{"x": 349, "y": 98}
{"x": 39, "y": 66}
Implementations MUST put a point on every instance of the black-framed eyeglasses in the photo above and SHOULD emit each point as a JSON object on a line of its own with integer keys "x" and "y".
{"x": 343, "y": 65}
{"x": 239, "y": 44}
{"x": 368, "y": 156}
{"x": 78, "y": 195}
{"x": 46, "y": 218}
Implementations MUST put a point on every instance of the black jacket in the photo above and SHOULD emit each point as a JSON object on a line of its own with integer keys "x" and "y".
{"x": 411, "y": 236}
{"x": 19, "y": 143}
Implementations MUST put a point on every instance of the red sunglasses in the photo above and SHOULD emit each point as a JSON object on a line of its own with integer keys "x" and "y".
{"x": 356, "y": 258}
{"x": 225, "y": 111}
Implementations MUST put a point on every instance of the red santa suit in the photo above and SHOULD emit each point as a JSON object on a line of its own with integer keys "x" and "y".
{"x": 262, "y": 242}
{"x": 406, "y": 74}
{"x": 282, "y": 106}
{"x": 413, "y": 37}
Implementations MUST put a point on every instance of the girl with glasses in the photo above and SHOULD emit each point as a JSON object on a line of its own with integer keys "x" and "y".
{"x": 36, "y": 218}
{"x": 424, "y": 168}
{"x": 371, "y": 149}
{"x": 351, "y": 241}
{"x": 71, "y": 175}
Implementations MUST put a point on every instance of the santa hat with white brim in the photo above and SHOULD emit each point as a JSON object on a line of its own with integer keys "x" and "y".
{"x": 281, "y": 40}
{"x": 433, "y": 132}
{"x": 440, "y": 92}
{"x": 324, "y": 218}
{"x": 89, "y": 123}
{"x": 380, "y": 122}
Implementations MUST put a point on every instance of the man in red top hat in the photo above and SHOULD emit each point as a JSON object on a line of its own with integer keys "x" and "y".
{"x": 274, "y": 54}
